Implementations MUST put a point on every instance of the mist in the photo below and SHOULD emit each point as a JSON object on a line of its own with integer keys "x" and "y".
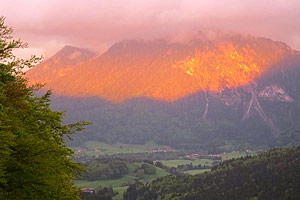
{"x": 48, "y": 25}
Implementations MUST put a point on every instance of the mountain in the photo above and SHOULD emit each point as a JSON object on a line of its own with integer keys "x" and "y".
{"x": 165, "y": 71}
{"x": 270, "y": 175}
{"x": 58, "y": 65}
{"x": 233, "y": 92}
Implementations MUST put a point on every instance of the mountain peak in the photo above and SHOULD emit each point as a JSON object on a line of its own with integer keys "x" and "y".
{"x": 72, "y": 52}
{"x": 60, "y": 64}
{"x": 161, "y": 70}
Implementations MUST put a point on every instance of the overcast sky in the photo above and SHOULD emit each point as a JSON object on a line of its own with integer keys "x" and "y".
{"x": 48, "y": 25}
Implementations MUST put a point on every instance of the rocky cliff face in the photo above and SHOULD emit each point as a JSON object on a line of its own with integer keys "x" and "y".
{"x": 232, "y": 87}
{"x": 161, "y": 70}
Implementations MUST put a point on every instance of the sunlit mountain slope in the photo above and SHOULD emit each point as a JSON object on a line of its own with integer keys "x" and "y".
{"x": 161, "y": 70}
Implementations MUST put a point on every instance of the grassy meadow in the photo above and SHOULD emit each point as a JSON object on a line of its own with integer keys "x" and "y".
{"x": 94, "y": 148}
{"x": 121, "y": 184}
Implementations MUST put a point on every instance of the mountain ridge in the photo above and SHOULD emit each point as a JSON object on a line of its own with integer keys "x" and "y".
{"x": 60, "y": 64}
{"x": 151, "y": 91}
{"x": 162, "y": 70}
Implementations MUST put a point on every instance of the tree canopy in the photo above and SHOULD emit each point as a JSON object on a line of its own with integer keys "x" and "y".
{"x": 35, "y": 163}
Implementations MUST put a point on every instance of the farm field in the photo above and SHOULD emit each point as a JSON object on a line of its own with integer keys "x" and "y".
{"x": 120, "y": 184}
{"x": 94, "y": 148}
{"x": 120, "y": 191}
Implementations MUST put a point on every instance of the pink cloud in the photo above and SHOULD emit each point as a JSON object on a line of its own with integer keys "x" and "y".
{"x": 50, "y": 24}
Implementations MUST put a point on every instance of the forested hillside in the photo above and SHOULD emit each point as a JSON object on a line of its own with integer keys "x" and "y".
{"x": 271, "y": 175}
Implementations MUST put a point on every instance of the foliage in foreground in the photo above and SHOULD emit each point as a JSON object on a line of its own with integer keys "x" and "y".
{"x": 271, "y": 175}
{"x": 34, "y": 160}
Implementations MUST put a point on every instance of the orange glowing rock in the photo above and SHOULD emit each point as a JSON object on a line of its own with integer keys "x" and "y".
{"x": 160, "y": 70}
{"x": 224, "y": 66}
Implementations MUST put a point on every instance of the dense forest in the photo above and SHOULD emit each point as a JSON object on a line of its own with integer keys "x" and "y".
{"x": 98, "y": 194}
{"x": 102, "y": 169}
{"x": 179, "y": 124}
{"x": 271, "y": 175}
